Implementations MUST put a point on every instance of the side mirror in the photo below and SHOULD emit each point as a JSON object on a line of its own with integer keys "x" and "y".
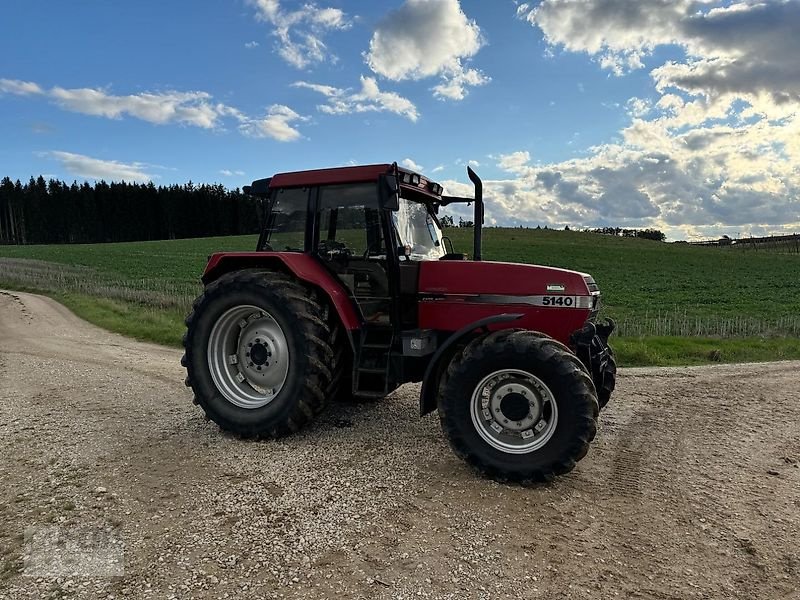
{"x": 390, "y": 192}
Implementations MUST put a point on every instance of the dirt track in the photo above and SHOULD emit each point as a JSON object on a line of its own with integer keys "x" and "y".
{"x": 691, "y": 489}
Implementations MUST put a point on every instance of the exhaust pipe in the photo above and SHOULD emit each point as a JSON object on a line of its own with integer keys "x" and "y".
{"x": 478, "y": 219}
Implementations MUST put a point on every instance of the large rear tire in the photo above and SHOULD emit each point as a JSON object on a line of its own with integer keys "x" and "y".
{"x": 518, "y": 406}
{"x": 259, "y": 353}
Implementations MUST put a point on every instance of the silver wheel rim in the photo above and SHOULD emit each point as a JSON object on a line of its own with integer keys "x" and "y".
{"x": 514, "y": 411}
{"x": 248, "y": 356}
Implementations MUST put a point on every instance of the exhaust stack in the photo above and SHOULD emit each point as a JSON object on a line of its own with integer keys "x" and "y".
{"x": 478, "y": 219}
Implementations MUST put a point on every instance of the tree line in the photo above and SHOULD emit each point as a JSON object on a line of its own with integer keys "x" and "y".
{"x": 647, "y": 234}
{"x": 56, "y": 212}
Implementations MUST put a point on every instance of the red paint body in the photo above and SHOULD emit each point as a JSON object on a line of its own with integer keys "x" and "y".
{"x": 445, "y": 288}
{"x": 449, "y": 285}
{"x": 359, "y": 174}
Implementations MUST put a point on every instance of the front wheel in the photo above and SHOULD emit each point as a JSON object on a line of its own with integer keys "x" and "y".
{"x": 518, "y": 406}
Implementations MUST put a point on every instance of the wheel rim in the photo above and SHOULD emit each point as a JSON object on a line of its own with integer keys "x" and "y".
{"x": 514, "y": 411}
{"x": 248, "y": 356}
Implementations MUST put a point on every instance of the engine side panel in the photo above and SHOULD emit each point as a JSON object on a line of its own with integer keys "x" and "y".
{"x": 497, "y": 278}
{"x": 554, "y": 301}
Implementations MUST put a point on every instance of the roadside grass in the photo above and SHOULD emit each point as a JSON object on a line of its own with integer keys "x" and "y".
{"x": 147, "y": 324}
{"x": 669, "y": 351}
{"x": 673, "y": 303}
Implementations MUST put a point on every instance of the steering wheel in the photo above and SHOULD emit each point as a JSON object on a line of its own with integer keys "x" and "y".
{"x": 334, "y": 248}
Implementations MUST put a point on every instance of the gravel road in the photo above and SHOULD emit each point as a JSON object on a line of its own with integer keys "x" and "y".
{"x": 114, "y": 485}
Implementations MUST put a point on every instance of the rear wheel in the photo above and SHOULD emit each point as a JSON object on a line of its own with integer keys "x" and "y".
{"x": 259, "y": 353}
{"x": 518, "y": 406}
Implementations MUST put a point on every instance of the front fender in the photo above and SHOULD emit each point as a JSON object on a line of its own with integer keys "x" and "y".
{"x": 430, "y": 382}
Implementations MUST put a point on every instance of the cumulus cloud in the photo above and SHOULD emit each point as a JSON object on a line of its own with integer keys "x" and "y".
{"x": 95, "y": 168}
{"x": 428, "y": 38}
{"x": 744, "y": 46}
{"x": 369, "y": 98}
{"x": 411, "y": 165}
{"x": 194, "y": 109}
{"x": 276, "y": 124}
{"x": 715, "y": 149}
{"x": 229, "y": 173}
{"x": 300, "y": 32}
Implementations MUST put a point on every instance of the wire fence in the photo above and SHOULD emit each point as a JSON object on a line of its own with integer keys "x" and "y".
{"x": 684, "y": 325}
{"x": 53, "y": 277}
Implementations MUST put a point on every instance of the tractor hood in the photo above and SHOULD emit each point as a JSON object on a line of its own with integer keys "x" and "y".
{"x": 500, "y": 279}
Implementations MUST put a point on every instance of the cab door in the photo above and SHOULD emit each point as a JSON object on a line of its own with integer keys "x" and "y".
{"x": 349, "y": 239}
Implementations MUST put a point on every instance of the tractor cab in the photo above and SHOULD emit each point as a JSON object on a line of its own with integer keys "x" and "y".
{"x": 367, "y": 225}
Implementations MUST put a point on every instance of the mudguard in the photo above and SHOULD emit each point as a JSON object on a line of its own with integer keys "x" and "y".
{"x": 427, "y": 396}
{"x": 302, "y": 266}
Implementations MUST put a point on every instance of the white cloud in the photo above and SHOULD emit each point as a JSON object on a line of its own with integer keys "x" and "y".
{"x": 251, "y": 45}
{"x": 19, "y": 88}
{"x": 745, "y": 46}
{"x": 428, "y": 38}
{"x": 369, "y": 99}
{"x": 437, "y": 169}
{"x": 516, "y": 162}
{"x": 229, "y": 173}
{"x": 189, "y": 108}
{"x": 716, "y": 148}
{"x": 95, "y": 168}
{"x": 300, "y": 32}
{"x": 195, "y": 109}
{"x": 276, "y": 124}
{"x": 411, "y": 165}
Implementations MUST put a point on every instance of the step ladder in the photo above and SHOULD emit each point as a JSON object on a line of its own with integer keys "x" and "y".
{"x": 371, "y": 369}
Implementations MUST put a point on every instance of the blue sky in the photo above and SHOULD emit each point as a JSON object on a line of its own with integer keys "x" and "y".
{"x": 573, "y": 114}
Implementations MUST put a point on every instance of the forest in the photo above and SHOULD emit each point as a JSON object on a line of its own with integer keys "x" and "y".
{"x": 55, "y": 212}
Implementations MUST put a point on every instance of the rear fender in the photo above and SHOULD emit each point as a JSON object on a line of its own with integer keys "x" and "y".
{"x": 304, "y": 267}
{"x": 440, "y": 360}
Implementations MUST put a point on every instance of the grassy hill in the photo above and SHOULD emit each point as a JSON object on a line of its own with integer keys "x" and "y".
{"x": 674, "y": 303}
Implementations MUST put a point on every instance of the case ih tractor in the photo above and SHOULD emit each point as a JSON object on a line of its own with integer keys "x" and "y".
{"x": 353, "y": 290}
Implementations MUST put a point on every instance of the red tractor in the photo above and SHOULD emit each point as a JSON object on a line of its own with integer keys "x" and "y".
{"x": 353, "y": 291}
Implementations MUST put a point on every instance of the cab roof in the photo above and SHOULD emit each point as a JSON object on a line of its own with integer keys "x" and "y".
{"x": 356, "y": 174}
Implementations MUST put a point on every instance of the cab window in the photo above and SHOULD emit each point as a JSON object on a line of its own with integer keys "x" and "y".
{"x": 349, "y": 222}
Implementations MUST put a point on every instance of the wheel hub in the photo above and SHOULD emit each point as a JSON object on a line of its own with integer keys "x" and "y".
{"x": 259, "y": 354}
{"x": 514, "y": 411}
{"x": 248, "y": 356}
{"x": 514, "y": 407}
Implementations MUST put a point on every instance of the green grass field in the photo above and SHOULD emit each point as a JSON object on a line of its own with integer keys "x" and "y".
{"x": 674, "y": 303}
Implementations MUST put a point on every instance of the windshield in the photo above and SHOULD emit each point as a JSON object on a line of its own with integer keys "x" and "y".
{"x": 417, "y": 231}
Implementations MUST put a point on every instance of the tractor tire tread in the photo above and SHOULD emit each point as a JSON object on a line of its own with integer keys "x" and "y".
{"x": 306, "y": 312}
{"x": 553, "y": 357}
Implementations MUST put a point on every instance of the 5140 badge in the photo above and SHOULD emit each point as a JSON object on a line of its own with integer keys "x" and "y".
{"x": 558, "y": 301}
